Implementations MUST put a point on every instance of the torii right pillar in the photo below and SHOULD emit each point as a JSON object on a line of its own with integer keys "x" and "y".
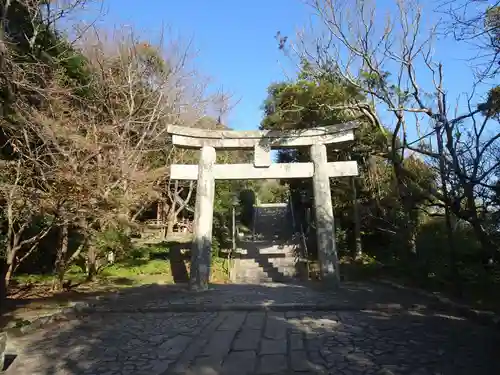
{"x": 325, "y": 226}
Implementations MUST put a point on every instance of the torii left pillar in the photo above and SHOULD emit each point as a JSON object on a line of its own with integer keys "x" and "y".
{"x": 201, "y": 249}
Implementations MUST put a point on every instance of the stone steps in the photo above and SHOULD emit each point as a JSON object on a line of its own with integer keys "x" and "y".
{"x": 284, "y": 265}
{"x": 270, "y": 255}
{"x": 269, "y": 264}
{"x": 249, "y": 271}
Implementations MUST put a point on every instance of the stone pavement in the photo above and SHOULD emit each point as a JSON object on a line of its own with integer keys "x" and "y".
{"x": 139, "y": 334}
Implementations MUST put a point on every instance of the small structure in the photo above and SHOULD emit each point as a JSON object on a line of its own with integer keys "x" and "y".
{"x": 206, "y": 172}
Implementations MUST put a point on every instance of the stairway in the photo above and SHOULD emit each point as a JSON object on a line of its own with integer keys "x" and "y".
{"x": 269, "y": 254}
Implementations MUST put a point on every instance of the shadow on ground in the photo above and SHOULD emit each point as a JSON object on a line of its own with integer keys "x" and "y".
{"x": 178, "y": 261}
{"x": 34, "y": 296}
{"x": 372, "y": 330}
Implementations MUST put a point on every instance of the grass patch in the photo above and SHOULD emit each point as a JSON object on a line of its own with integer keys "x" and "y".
{"x": 131, "y": 272}
{"x": 33, "y": 279}
{"x": 219, "y": 271}
{"x": 32, "y": 294}
{"x": 75, "y": 275}
{"x": 145, "y": 264}
{"x": 136, "y": 269}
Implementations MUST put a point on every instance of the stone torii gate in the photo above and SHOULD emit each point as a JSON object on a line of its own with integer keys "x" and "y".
{"x": 206, "y": 172}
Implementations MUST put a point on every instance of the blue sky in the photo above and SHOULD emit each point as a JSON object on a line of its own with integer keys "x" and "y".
{"x": 236, "y": 45}
{"x": 234, "y": 39}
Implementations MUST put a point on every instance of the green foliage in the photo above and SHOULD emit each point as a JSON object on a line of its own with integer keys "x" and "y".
{"x": 390, "y": 213}
{"x": 151, "y": 61}
{"x": 76, "y": 72}
{"x": 216, "y": 245}
{"x": 492, "y": 25}
{"x": 492, "y": 105}
{"x": 306, "y": 103}
{"x": 113, "y": 239}
{"x": 368, "y": 260}
{"x": 434, "y": 252}
{"x": 127, "y": 272}
{"x": 139, "y": 253}
{"x": 430, "y": 267}
{"x": 33, "y": 278}
{"x": 247, "y": 199}
{"x": 317, "y": 99}
{"x": 381, "y": 83}
{"x": 146, "y": 252}
{"x": 342, "y": 240}
{"x": 272, "y": 191}
{"x": 226, "y": 194}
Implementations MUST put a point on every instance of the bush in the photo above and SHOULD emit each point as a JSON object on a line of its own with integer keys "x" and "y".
{"x": 116, "y": 240}
{"x": 140, "y": 253}
{"x": 433, "y": 247}
{"x": 216, "y": 247}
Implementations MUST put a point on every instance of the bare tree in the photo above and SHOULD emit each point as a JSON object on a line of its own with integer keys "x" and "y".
{"x": 177, "y": 203}
{"x": 24, "y": 206}
{"x": 32, "y": 173}
{"x": 90, "y": 151}
{"x": 476, "y": 22}
{"x": 391, "y": 61}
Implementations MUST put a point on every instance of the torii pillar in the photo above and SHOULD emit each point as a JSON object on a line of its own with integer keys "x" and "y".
{"x": 325, "y": 225}
{"x": 203, "y": 221}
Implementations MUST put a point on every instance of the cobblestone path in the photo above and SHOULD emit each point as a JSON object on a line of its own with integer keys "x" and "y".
{"x": 115, "y": 339}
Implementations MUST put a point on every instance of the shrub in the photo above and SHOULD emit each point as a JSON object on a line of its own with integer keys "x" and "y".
{"x": 140, "y": 253}
{"x": 116, "y": 240}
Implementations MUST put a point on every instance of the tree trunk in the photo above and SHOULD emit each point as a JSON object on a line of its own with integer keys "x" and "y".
{"x": 413, "y": 230}
{"x": 164, "y": 213}
{"x": 8, "y": 268}
{"x": 454, "y": 275}
{"x": 489, "y": 248}
{"x": 408, "y": 205}
{"x": 358, "y": 248}
{"x": 159, "y": 209}
{"x": 487, "y": 245}
{"x": 177, "y": 205}
{"x": 8, "y": 273}
{"x": 60, "y": 265}
{"x": 3, "y": 283}
{"x": 91, "y": 263}
{"x": 412, "y": 239}
{"x": 171, "y": 219}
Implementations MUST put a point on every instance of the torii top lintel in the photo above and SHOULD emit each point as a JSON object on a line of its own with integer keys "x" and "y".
{"x": 236, "y": 139}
